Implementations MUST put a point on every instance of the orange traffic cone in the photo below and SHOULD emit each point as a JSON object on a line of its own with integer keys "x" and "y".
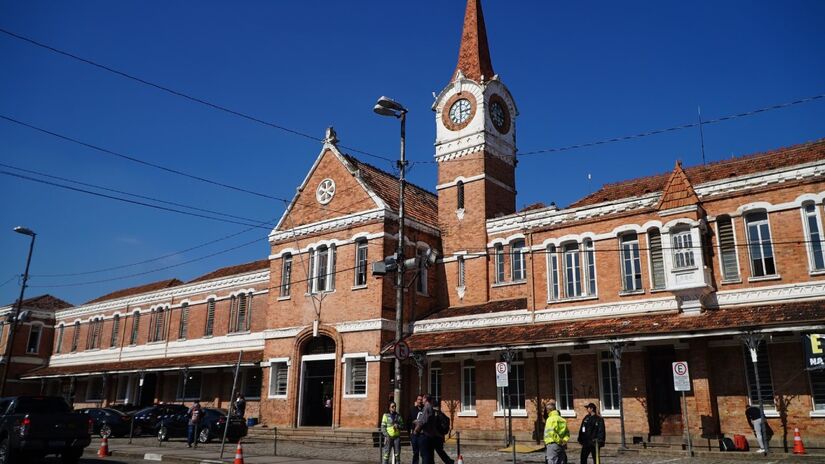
{"x": 798, "y": 447}
{"x": 239, "y": 454}
{"x": 460, "y": 460}
{"x": 104, "y": 448}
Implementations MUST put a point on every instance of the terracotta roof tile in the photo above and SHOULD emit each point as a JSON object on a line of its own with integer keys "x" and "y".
{"x": 421, "y": 204}
{"x": 45, "y": 303}
{"x": 678, "y": 191}
{"x": 169, "y": 283}
{"x": 739, "y": 166}
{"x": 474, "y": 55}
{"x": 233, "y": 270}
{"x": 484, "y": 308}
{"x": 736, "y": 318}
{"x": 168, "y": 362}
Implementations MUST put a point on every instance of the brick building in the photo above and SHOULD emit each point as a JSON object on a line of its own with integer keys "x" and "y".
{"x": 684, "y": 266}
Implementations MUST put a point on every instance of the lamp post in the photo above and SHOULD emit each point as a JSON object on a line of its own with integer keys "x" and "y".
{"x": 16, "y": 311}
{"x": 388, "y": 107}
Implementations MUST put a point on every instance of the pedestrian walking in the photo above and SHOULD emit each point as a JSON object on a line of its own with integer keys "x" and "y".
{"x": 240, "y": 406}
{"x": 442, "y": 428}
{"x": 195, "y": 413}
{"x": 391, "y": 425}
{"x": 556, "y": 435}
{"x": 412, "y": 418}
{"x": 425, "y": 430}
{"x": 591, "y": 434}
{"x": 760, "y": 427}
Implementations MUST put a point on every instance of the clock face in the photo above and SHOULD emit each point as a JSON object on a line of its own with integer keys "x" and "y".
{"x": 497, "y": 115}
{"x": 325, "y": 192}
{"x": 460, "y": 111}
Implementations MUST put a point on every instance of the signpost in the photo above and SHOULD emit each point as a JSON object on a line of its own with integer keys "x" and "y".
{"x": 502, "y": 379}
{"x": 402, "y": 350}
{"x": 681, "y": 382}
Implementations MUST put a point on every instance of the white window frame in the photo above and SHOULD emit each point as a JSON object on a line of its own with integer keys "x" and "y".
{"x": 500, "y": 275}
{"x": 652, "y": 276}
{"x": 348, "y": 360}
{"x": 682, "y": 242}
{"x": 761, "y": 244}
{"x": 501, "y": 410}
{"x": 817, "y": 409}
{"x": 278, "y": 363}
{"x": 553, "y": 282}
{"x": 572, "y": 251}
{"x": 58, "y": 344}
{"x": 39, "y": 333}
{"x": 329, "y": 271}
{"x": 635, "y": 260}
{"x": 517, "y": 255}
{"x": 468, "y": 408}
{"x": 768, "y": 406}
{"x": 461, "y": 269}
{"x": 571, "y": 411}
{"x": 589, "y": 251}
{"x": 361, "y": 263}
{"x": 286, "y": 275}
{"x": 810, "y": 245}
{"x": 435, "y": 381}
{"x": 606, "y": 357}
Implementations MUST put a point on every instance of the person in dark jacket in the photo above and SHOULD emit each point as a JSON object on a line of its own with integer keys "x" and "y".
{"x": 412, "y": 417}
{"x": 760, "y": 428}
{"x": 442, "y": 426}
{"x": 591, "y": 434}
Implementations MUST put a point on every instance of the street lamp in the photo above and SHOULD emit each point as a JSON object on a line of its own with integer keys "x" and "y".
{"x": 388, "y": 107}
{"x": 15, "y": 315}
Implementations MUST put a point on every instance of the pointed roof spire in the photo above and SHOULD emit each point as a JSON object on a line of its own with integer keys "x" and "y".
{"x": 678, "y": 190}
{"x": 474, "y": 55}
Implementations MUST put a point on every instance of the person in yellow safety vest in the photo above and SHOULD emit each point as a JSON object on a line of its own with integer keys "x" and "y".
{"x": 556, "y": 435}
{"x": 391, "y": 425}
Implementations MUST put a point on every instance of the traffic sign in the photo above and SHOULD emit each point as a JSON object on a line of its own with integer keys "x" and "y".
{"x": 502, "y": 379}
{"x": 681, "y": 376}
{"x": 402, "y": 350}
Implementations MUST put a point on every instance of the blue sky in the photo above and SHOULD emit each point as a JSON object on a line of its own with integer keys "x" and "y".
{"x": 579, "y": 71}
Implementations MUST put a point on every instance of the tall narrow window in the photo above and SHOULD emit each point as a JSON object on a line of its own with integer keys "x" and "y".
{"x": 460, "y": 262}
{"x": 135, "y": 328}
{"x": 517, "y": 264}
{"x": 727, "y": 249}
{"x": 311, "y": 276}
{"x": 33, "y": 345}
{"x": 58, "y": 346}
{"x": 435, "y": 382}
{"x": 499, "y": 261}
{"x": 183, "y": 328}
{"x": 657, "y": 262}
{"x": 609, "y": 383}
{"x": 468, "y": 385}
{"x": 253, "y": 381}
{"x": 421, "y": 279}
{"x": 157, "y": 324}
{"x": 75, "y": 336}
{"x": 356, "y": 369}
{"x": 564, "y": 382}
{"x": 572, "y": 271}
{"x": 759, "y": 245}
{"x": 590, "y": 266}
{"x": 631, "y": 263}
{"x": 817, "y": 378}
{"x": 286, "y": 274}
{"x": 552, "y": 273}
{"x": 323, "y": 264}
{"x": 816, "y": 260}
{"x": 459, "y": 193}
{"x": 239, "y": 314}
{"x": 210, "y": 318}
{"x": 361, "y": 248}
{"x": 682, "y": 249}
{"x": 93, "y": 335}
{"x": 765, "y": 380}
{"x": 115, "y": 330}
{"x": 278, "y": 379}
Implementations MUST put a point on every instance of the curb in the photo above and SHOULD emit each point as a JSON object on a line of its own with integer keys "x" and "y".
{"x": 159, "y": 457}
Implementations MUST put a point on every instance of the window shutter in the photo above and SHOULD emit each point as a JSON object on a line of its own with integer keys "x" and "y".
{"x": 656, "y": 259}
{"x": 311, "y": 273}
{"x": 241, "y": 325}
{"x": 727, "y": 249}
{"x": 331, "y": 277}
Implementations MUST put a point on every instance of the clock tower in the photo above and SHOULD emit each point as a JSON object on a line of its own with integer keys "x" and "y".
{"x": 475, "y": 149}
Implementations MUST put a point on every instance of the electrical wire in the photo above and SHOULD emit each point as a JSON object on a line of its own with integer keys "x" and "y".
{"x": 16, "y": 276}
{"x": 181, "y": 94}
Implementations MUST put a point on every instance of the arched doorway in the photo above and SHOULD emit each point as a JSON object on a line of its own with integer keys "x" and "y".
{"x": 317, "y": 382}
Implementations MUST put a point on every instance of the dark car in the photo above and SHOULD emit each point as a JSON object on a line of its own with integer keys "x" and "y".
{"x": 128, "y": 408}
{"x": 211, "y": 426}
{"x": 147, "y": 419}
{"x": 33, "y": 426}
{"x": 108, "y": 422}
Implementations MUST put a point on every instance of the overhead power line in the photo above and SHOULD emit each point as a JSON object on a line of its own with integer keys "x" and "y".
{"x": 181, "y": 94}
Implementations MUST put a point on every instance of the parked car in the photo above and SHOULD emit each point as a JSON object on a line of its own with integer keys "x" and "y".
{"x": 210, "y": 428}
{"x": 33, "y": 426}
{"x": 128, "y": 408}
{"x": 146, "y": 420}
{"x": 108, "y": 422}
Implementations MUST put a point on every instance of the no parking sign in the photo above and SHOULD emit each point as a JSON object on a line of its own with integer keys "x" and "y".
{"x": 681, "y": 376}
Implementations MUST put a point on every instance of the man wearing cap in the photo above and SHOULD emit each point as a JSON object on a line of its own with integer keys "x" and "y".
{"x": 556, "y": 435}
{"x": 591, "y": 434}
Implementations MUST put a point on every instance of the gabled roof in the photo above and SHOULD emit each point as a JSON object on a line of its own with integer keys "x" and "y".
{"x": 474, "y": 55}
{"x": 420, "y": 204}
{"x": 45, "y": 303}
{"x": 697, "y": 175}
{"x": 233, "y": 270}
{"x": 678, "y": 190}
{"x": 146, "y": 288}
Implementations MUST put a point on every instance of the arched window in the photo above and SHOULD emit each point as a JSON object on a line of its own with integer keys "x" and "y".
{"x": 286, "y": 274}
{"x": 552, "y": 273}
{"x": 760, "y": 245}
{"x": 631, "y": 262}
{"x": 239, "y": 313}
{"x": 813, "y": 234}
{"x": 572, "y": 270}
{"x": 459, "y": 193}
{"x": 361, "y": 261}
{"x": 518, "y": 269}
{"x": 589, "y": 266}
{"x": 499, "y": 263}
{"x": 657, "y": 262}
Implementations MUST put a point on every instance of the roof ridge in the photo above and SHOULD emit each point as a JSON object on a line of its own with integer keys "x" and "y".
{"x": 383, "y": 172}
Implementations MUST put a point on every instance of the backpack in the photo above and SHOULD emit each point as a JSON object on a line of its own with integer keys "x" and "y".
{"x": 726, "y": 444}
{"x": 741, "y": 443}
{"x": 442, "y": 424}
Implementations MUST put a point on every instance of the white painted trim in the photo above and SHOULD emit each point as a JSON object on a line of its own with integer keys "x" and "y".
{"x": 318, "y": 357}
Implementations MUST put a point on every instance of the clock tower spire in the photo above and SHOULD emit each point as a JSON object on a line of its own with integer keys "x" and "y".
{"x": 475, "y": 149}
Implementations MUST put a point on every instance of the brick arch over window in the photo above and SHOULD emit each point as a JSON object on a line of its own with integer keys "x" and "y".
{"x": 301, "y": 340}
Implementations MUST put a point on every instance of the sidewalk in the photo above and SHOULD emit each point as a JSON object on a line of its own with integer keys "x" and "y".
{"x": 261, "y": 451}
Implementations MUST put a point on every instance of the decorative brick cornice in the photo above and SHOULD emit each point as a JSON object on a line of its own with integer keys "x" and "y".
{"x": 773, "y": 294}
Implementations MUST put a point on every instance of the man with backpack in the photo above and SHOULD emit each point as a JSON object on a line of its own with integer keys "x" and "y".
{"x": 194, "y": 413}
{"x": 442, "y": 428}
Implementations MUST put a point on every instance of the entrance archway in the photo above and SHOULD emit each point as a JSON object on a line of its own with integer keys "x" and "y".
{"x": 317, "y": 382}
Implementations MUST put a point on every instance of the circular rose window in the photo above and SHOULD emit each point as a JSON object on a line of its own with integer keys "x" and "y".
{"x": 325, "y": 192}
